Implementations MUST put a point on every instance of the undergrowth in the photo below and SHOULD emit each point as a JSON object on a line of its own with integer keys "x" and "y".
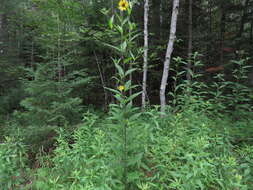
{"x": 187, "y": 150}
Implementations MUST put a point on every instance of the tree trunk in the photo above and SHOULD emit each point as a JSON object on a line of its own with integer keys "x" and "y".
{"x": 1, "y": 33}
{"x": 189, "y": 65}
{"x": 169, "y": 51}
{"x": 102, "y": 78}
{"x": 145, "y": 58}
{"x": 222, "y": 31}
{"x": 251, "y": 32}
{"x": 1, "y": 23}
{"x": 210, "y": 32}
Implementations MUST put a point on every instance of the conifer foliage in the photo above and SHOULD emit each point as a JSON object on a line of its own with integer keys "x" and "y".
{"x": 80, "y": 106}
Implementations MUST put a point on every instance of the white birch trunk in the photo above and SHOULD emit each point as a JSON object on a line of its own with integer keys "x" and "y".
{"x": 145, "y": 57}
{"x": 169, "y": 51}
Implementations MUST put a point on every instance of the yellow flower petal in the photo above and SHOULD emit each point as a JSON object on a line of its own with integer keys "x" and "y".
{"x": 121, "y": 88}
{"x": 123, "y": 5}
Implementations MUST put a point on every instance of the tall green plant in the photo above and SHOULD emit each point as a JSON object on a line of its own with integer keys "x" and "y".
{"x": 240, "y": 99}
{"x": 188, "y": 94}
{"x": 127, "y": 135}
{"x": 232, "y": 94}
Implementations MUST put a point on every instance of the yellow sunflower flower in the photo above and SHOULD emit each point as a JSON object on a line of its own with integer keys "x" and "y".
{"x": 123, "y": 5}
{"x": 121, "y": 88}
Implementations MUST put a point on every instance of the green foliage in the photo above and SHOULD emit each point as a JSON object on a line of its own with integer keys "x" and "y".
{"x": 245, "y": 158}
{"x": 49, "y": 101}
{"x": 94, "y": 160}
{"x": 128, "y": 136}
{"x": 11, "y": 89}
{"x": 188, "y": 150}
{"x": 241, "y": 94}
{"x": 188, "y": 94}
{"x": 51, "y": 82}
{"x": 231, "y": 95}
{"x": 12, "y": 164}
{"x": 33, "y": 136}
{"x": 82, "y": 165}
{"x": 10, "y": 100}
{"x": 193, "y": 154}
{"x": 204, "y": 142}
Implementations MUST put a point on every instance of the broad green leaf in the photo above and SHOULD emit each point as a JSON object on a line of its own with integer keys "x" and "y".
{"x": 130, "y": 71}
{"x": 119, "y": 69}
{"x": 111, "y": 22}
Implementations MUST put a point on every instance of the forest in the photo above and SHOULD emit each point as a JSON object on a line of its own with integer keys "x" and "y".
{"x": 126, "y": 95}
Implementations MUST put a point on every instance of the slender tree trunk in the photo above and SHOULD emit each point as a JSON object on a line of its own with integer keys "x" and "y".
{"x": 222, "y": 31}
{"x": 58, "y": 50}
{"x": 251, "y": 32}
{"x": 210, "y": 31}
{"x": 145, "y": 58}
{"x": 189, "y": 65}
{"x": 102, "y": 81}
{"x": 2, "y": 34}
{"x": 1, "y": 24}
{"x": 32, "y": 57}
{"x": 169, "y": 51}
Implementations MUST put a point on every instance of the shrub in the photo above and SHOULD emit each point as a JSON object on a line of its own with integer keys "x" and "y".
{"x": 187, "y": 150}
{"x": 12, "y": 164}
{"x": 193, "y": 153}
{"x": 82, "y": 165}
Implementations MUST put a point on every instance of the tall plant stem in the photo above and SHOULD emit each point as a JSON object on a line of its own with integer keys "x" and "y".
{"x": 125, "y": 155}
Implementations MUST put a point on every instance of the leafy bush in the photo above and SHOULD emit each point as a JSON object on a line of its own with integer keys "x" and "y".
{"x": 34, "y": 137}
{"x": 12, "y": 164}
{"x": 82, "y": 165}
{"x": 93, "y": 158}
{"x": 184, "y": 151}
{"x": 193, "y": 154}
{"x": 245, "y": 158}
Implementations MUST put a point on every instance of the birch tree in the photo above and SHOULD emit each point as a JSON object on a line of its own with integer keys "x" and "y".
{"x": 166, "y": 66}
{"x": 145, "y": 57}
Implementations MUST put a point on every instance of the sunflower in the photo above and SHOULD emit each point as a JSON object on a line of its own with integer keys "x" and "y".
{"x": 121, "y": 88}
{"x": 123, "y": 5}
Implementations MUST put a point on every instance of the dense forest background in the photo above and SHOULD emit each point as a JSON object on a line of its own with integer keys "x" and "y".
{"x": 71, "y": 111}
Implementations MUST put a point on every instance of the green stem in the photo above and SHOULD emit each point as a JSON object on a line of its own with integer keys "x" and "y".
{"x": 125, "y": 155}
